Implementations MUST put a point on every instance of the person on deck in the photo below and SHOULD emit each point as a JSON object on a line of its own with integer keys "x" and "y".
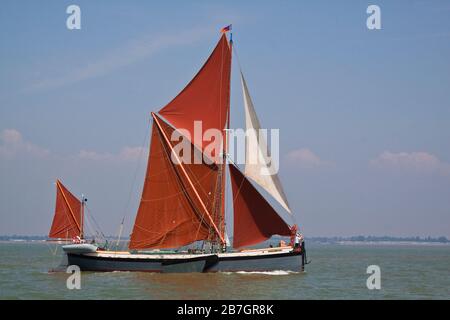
{"x": 296, "y": 238}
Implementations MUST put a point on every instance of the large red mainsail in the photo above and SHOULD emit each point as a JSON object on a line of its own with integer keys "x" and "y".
{"x": 206, "y": 98}
{"x": 254, "y": 218}
{"x": 68, "y": 216}
{"x": 183, "y": 203}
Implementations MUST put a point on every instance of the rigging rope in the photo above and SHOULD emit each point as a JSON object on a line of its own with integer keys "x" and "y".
{"x": 144, "y": 143}
{"x": 96, "y": 228}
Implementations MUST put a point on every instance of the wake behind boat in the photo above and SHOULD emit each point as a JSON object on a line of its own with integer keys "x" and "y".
{"x": 183, "y": 202}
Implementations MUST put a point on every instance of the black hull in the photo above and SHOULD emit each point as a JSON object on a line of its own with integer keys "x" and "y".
{"x": 287, "y": 260}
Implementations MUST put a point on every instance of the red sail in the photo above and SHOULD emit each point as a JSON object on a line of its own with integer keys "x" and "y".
{"x": 206, "y": 98}
{"x": 67, "y": 219}
{"x": 167, "y": 217}
{"x": 254, "y": 219}
{"x": 199, "y": 180}
{"x": 182, "y": 203}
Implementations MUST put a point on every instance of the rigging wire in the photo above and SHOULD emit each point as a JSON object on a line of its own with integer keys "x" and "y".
{"x": 130, "y": 194}
{"x": 96, "y": 228}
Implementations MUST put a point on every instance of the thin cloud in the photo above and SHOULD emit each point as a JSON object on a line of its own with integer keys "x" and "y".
{"x": 306, "y": 159}
{"x": 13, "y": 144}
{"x": 125, "y": 155}
{"x": 418, "y": 162}
{"x": 132, "y": 52}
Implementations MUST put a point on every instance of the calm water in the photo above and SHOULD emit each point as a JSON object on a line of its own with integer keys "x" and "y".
{"x": 336, "y": 272}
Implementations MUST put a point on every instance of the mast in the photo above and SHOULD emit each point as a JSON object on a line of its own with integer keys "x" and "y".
{"x": 226, "y": 146}
{"x": 219, "y": 209}
{"x": 83, "y": 200}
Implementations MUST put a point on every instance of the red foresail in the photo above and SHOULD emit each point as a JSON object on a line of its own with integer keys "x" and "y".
{"x": 170, "y": 214}
{"x": 67, "y": 219}
{"x": 254, "y": 218}
{"x": 206, "y": 98}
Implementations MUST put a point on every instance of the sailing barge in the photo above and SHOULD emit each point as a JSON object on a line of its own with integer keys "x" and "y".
{"x": 183, "y": 202}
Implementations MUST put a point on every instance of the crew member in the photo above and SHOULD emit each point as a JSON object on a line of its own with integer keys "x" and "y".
{"x": 298, "y": 240}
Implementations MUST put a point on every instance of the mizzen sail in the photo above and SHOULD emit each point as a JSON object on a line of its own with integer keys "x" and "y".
{"x": 256, "y": 160}
{"x": 67, "y": 221}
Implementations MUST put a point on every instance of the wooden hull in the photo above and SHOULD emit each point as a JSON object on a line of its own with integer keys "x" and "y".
{"x": 271, "y": 259}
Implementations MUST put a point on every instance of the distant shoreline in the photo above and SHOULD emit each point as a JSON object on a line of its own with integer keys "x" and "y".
{"x": 354, "y": 240}
{"x": 380, "y": 240}
{"x": 390, "y": 243}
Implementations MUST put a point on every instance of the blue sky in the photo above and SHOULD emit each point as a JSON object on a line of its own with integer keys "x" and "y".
{"x": 363, "y": 115}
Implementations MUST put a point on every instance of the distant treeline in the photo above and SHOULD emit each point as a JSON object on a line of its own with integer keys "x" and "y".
{"x": 441, "y": 239}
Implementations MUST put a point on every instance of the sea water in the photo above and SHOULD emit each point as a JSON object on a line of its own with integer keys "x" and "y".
{"x": 336, "y": 271}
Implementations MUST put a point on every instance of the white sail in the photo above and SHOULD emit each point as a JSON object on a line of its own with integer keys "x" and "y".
{"x": 256, "y": 160}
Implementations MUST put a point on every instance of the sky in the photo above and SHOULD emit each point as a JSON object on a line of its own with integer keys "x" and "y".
{"x": 364, "y": 115}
